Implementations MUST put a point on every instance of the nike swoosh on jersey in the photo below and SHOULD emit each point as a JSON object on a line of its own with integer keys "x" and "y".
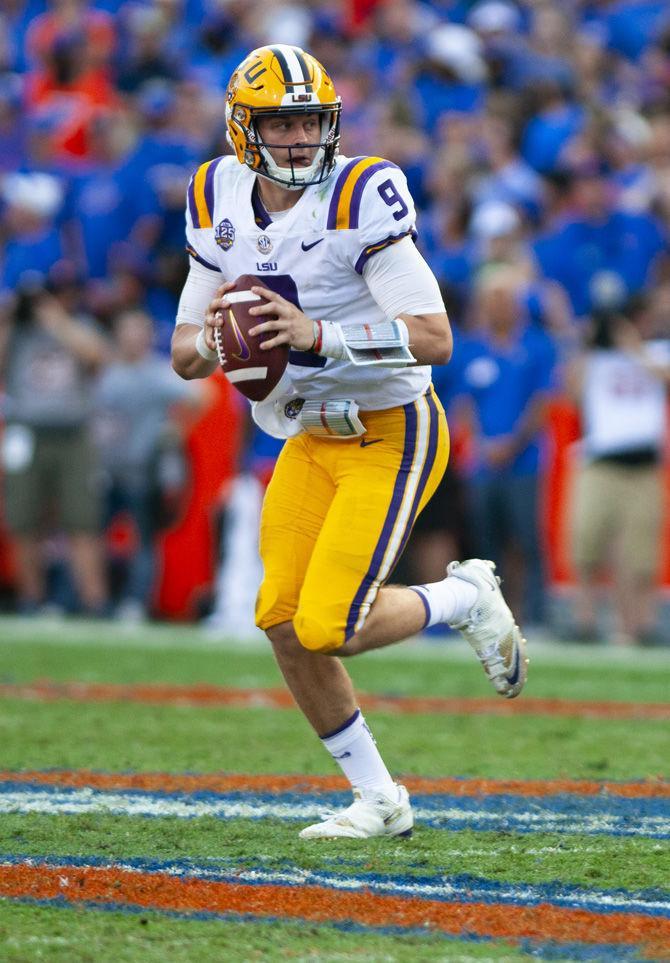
{"x": 308, "y": 247}
{"x": 364, "y": 444}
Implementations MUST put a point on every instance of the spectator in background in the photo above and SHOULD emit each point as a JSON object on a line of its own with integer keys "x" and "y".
{"x": 620, "y": 384}
{"x": 554, "y": 118}
{"x": 499, "y": 237}
{"x": 147, "y": 58}
{"x": 140, "y": 450}
{"x": 509, "y": 179}
{"x": 12, "y": 123}
{"x": 31, "y": 225}
{"x": 16, "y": 17}
{"x": 598, "y": 247}
{"x": 110, "y": 205}
{"x": 658, "y": 153}
{"x": 65, "y": 18}
{"x": 451, "y": 77}
{"x": 73, "y": 82}
{"x": 49, "y": 353}
{"x": 505, "y": 369}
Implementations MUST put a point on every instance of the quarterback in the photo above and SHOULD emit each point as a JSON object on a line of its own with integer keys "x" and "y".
{"x": 330, "y": 239}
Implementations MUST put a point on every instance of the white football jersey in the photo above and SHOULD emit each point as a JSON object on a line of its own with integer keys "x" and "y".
{"x": 314, "y": 256}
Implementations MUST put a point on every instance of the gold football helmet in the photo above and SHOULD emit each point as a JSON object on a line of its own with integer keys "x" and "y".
{"x": 281, "y": 79}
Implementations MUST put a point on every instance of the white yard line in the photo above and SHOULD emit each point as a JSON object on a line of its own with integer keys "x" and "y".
{"x": 534, "y": 818}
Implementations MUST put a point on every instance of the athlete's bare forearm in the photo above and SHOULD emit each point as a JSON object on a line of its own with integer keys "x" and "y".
{"x": 186, "y": 360}
{"x": 430, "y": 338}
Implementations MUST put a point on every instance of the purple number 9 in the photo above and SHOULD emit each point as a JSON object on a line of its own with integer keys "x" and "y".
{"x": 390, "y": 196}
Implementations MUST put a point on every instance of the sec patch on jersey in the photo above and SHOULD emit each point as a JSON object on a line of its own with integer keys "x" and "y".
{"x": 251, "y": 370}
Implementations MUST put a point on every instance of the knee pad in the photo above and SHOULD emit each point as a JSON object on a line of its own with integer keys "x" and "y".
{"x": 315, "y": 633}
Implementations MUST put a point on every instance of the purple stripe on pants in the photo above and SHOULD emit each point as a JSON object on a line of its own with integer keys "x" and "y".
{"x": 390, "y": 520}
{"x": 427, "y": 468}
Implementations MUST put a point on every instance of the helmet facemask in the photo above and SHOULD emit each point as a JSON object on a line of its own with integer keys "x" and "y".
{"x": 258, "y": 156}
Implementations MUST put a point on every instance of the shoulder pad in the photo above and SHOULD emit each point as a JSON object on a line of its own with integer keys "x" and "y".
{"x": 345, "y": 204}
{"x": 201, "y": 194}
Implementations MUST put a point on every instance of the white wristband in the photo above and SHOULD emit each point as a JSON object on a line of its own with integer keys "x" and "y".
{"x": 329, "y": 340}
{"x": 203, "y": 348}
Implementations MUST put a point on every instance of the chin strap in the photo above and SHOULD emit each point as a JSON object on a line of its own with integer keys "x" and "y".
{"x": 385, "y": 344}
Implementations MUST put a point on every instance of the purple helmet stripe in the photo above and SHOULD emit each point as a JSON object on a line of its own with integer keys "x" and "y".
{"x": 209, "y": 186}
{"x": 389, "y": 522}
{"x": 354, "y": 210}
{"x": 331, "y": 224}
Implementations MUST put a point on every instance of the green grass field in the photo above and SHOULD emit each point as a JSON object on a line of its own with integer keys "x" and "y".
{"x": 125, "y": 736}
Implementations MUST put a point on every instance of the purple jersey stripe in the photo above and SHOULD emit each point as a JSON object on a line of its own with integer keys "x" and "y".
{"x": 339, "y": 185}
{"x": 201, "y": 260}
{"x": 192, "y": 206}
{"x": 390, "y": 520}
{"x": 357, "y": 195}
{"x": 373, "y": 249}
{"x": 209, "y": 186}
{"x": 427, "y": 468}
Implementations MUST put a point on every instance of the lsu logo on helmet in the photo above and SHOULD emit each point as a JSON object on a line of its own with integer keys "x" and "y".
{"x": 279, "y": 80}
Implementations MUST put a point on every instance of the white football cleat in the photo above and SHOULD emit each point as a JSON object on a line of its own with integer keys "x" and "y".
{"x": 490, "y": 628}
{"x": 370, "y": 814}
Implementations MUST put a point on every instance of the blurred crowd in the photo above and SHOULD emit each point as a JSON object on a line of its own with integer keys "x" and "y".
{"x": 536, "y": 140}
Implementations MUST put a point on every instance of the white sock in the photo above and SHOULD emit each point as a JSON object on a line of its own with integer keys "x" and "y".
{"x": 354, "y": 749}
{"x": 449, "y": 600}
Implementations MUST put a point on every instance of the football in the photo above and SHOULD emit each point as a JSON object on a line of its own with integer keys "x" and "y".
{"x": 252, "y": 371}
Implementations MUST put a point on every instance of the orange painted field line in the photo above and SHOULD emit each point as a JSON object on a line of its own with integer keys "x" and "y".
{"x": 243, "y": 782}
{"x": 117, "y": 886}
{"x": 219, "y": 696}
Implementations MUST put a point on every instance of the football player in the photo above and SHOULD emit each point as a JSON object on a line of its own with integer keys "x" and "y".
{"x": 331, "y": 241}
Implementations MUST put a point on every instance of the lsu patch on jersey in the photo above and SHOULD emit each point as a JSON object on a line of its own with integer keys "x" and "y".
{"x": 314, "y": 255}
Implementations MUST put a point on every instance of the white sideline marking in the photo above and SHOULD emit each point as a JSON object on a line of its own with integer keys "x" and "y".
{"x": 533, "y": 819}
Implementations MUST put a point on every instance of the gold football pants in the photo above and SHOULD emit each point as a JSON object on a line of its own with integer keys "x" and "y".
{"x": 337, "y": 515}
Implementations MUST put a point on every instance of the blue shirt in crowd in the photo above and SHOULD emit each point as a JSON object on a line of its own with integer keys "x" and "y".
{"x": 623, "y": 244}
{"x": 501, "y": 381}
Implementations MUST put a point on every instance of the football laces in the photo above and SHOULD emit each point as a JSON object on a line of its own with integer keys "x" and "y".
{"x": 218, "y": 341}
